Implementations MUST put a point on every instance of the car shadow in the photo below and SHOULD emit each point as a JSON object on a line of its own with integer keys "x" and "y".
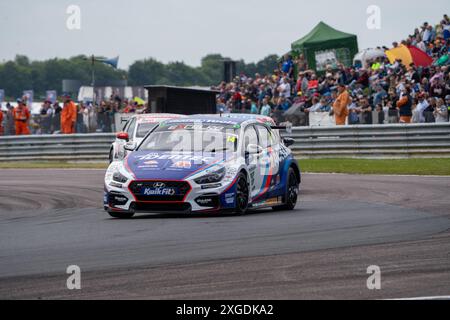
{"x": 220, "y": 215}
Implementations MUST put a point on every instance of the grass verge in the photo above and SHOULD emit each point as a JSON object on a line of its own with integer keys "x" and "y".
{"x": 53, "y": 165}
{"x": 431, "y": 167}
{"x": 351, "y": 166}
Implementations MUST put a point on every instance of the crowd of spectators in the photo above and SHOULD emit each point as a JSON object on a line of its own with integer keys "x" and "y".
{"x": 376, "y": 93}
{"x": 379, "y": 92}
{"x": 89, "y": 118}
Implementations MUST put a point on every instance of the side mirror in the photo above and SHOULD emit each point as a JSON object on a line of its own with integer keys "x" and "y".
{"x": 123, "y": 136}
{"x": 288, "y": 142}
{"x": 130, "y": 146}
{"x": 254, "y": 149}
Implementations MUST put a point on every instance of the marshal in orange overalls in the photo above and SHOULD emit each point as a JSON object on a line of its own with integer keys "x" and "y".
{"x": 340, "y": 108}
{"x": 68, "y": 117}
{"x": 21, "y": 117}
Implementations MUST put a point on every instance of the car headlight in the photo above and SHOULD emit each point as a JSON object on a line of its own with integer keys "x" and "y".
{"x": 118, "y": 177}
{"x": 212, "y": 177}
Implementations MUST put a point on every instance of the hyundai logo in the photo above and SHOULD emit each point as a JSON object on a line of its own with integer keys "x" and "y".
{"x": 159, "y": 185}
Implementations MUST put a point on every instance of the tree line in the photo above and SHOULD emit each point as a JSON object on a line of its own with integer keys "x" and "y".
{"x": 23, "y": 74}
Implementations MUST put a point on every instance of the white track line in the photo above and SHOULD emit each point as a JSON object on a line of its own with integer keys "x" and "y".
{"x": 423, "y": 298}
{"x": 375, "y": 175}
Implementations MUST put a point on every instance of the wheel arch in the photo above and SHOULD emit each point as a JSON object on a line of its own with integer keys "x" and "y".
{"x": 297, "y": 172}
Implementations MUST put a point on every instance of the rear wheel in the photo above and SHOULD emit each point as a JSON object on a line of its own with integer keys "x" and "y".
{"x": 242, "y": 194}
{"x": 121, "y": 215}
{"x": 291, "y": 196}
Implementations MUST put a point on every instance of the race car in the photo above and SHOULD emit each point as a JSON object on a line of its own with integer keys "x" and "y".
{"x": 135, "y": 130}
{"x": 205, "y": 164}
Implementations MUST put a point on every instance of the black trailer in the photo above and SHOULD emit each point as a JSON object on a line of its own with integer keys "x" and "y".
{"x": 181, "y": 100}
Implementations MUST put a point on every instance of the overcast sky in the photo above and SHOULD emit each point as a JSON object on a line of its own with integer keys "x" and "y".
{"x": 187, "y": 30}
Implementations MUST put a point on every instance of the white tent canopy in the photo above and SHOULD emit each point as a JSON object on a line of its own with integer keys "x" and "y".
{"x": 362, "y": 57}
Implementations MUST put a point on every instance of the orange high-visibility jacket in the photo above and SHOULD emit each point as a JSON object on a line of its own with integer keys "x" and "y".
{"x": 21, "y": 114}
{"x": 340, "y": 108}
{"x": 21, "y": 117}
{"x": 68, "y": 117}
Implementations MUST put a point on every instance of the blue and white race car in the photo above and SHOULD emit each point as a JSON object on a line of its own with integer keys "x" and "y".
{"x": 205, "y": 164}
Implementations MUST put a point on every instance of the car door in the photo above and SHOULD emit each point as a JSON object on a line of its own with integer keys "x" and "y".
{"x": 268, "y": 164}
{"x": 251, "y": 159}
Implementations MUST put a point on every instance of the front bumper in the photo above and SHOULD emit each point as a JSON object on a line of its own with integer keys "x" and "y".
{"x": 192, "y": 198}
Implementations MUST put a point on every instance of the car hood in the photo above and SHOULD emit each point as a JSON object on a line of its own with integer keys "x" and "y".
{"x": 154, "y": 165}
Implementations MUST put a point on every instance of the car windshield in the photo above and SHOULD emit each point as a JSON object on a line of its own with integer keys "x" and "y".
{"x": 145, "y": 128}
{"x": 189, "y": 137}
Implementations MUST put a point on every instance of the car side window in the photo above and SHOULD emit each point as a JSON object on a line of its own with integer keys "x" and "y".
{"x": 250, "y": 137}
{"x": 131, "y": 128}
{"x": 266, "y": 139}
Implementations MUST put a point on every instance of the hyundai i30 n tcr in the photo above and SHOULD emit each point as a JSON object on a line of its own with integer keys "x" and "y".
{"x": 205, "y": 164}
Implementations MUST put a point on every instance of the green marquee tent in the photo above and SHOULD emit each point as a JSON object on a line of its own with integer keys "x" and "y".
{"x": 325, "y": 46}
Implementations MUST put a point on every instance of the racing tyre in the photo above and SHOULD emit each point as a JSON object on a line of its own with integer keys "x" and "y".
{"x": 291, "y": 192}
{"x": 242, "y": 194}
{"x": 121, "y": 215}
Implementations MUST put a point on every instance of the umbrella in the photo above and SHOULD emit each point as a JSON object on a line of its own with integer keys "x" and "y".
{"x": 408, "y": 55}
{"x": 442, "y": 61}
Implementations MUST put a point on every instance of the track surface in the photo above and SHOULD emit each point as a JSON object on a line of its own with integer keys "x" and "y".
{"x": 50, "y": 219}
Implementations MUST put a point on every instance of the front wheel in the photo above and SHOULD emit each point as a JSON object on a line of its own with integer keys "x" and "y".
{"x": 242, "y": 194}
{"x": 121, "y": 215}
{"x": 291, "y": 196}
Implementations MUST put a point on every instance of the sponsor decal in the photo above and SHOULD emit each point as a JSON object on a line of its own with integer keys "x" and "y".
{"x": 182, "y": 165}
{"x": 188, "y": 122}
{"x": 204, "y": 201}
{"x": 181, "y": 157}
{"x": 149, "y": 165}
{"x": 159, "y": 191}
{"x": 269, "y": 202}
{"x": 196, "y": 127}
{"x": 229, "y": 198}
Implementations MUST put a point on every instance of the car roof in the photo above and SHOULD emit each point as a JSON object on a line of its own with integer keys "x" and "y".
{"x": 241, "y": 118}
{"x": 156, "y": 117}
{"x": 207, "y": 119}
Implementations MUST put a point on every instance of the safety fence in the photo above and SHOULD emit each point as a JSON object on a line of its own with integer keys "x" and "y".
{"x": 377, "y": 141}
{"x": 373, "y": 141}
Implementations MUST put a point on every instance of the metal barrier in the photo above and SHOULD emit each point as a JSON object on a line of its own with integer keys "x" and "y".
{"x": 377, "y": 141}
{"x": 373, "y": 141}
{"x": 76, "y": 147}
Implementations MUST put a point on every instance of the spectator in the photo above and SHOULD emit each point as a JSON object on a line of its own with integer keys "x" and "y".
{"x": 46, "y": 117}
{"x": 422, "y": 105}
{"x": 1, "y": 123}
{"x": 266, "y": 109}
{"x": 441, "y": 112}
{"x": 447, "y": 102}
{"x": 10, "y": 129}
{"x": 404, "y": 104}
{"x": 288, "y": 66}
{"x": 56, "y": 121}
{"x": 366, "y": 111}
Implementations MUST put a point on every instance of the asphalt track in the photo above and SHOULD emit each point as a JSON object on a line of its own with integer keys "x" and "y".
{"x": 50, "y": 219}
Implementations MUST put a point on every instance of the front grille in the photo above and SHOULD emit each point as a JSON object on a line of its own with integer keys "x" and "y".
{"x": 160, "y": 191}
